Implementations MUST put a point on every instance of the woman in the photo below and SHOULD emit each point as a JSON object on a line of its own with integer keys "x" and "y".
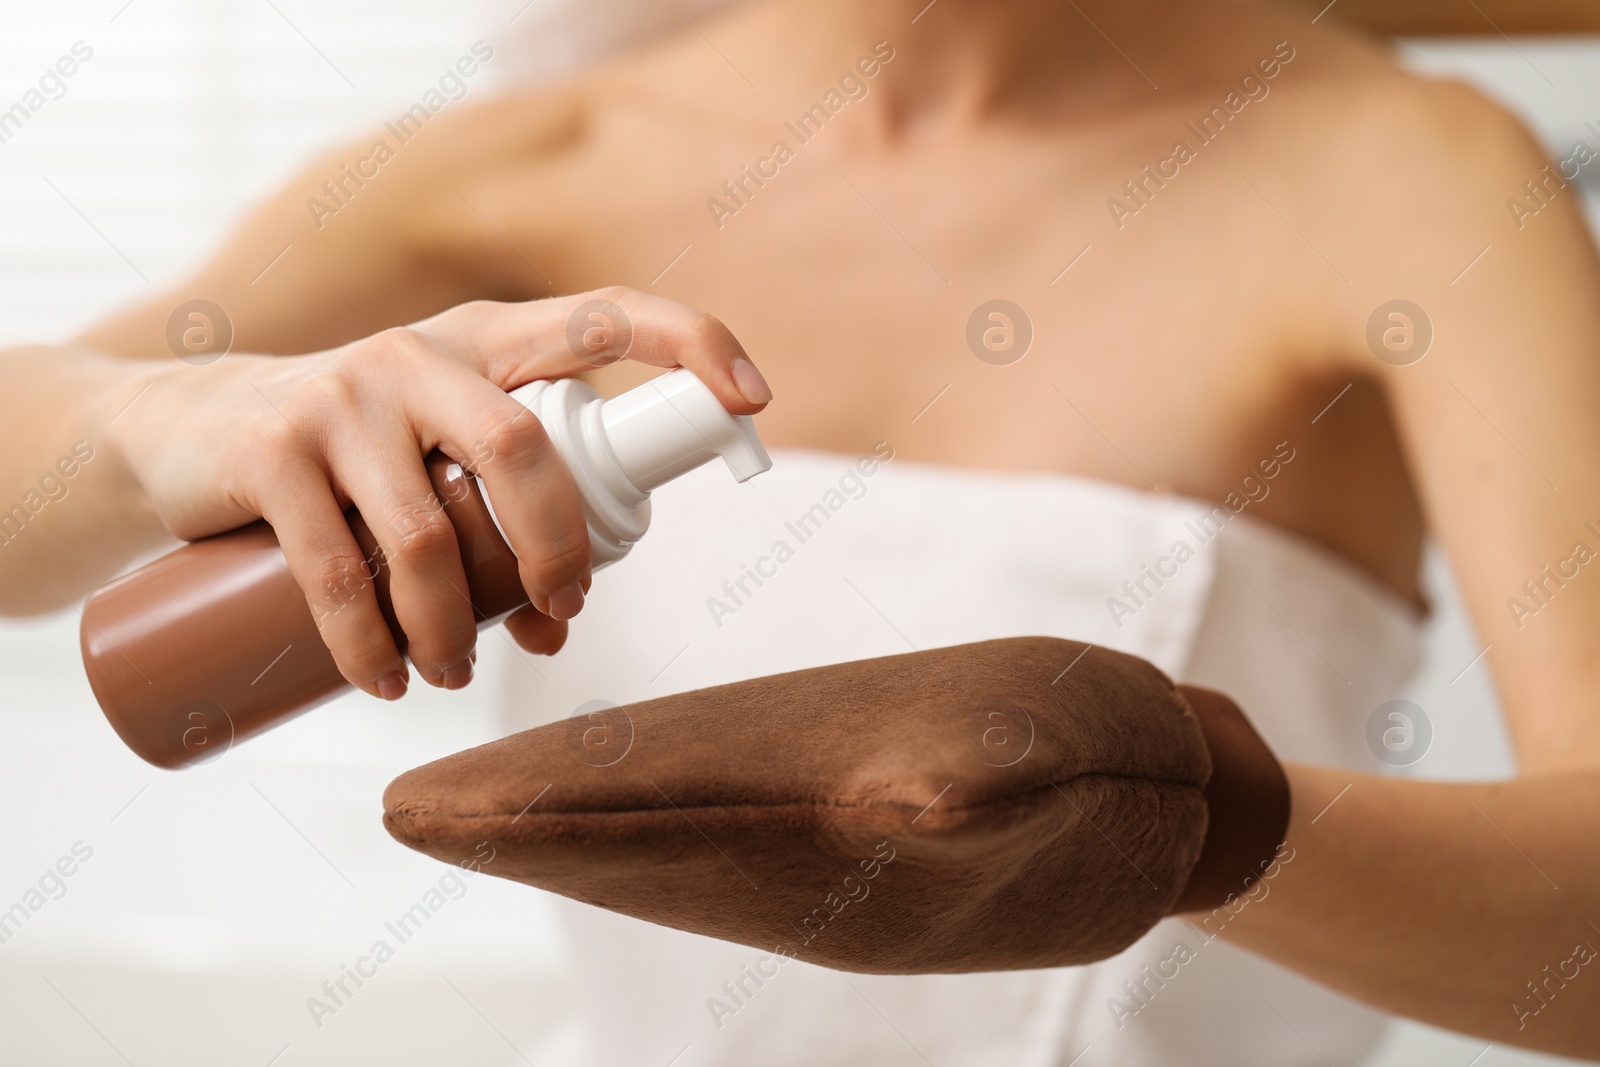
{"x": 1237, "y": 243}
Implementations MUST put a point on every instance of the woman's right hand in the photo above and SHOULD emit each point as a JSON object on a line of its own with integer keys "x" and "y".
{"x": 297, "y": 439}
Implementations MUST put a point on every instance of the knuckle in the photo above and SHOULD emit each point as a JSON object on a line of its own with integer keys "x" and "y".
{"x": 274, "y": 436}
{"x": 518, "y": 434}
{"x": 341, "y": 576}
{"x": 319, "y": 400}
{"x": 420, "y": 534}
{"x": 475, "y": 309}
{"x": 616, "y": 294}
{"x": 706, "y": 331}
{"x": 467, "y": 316}
{"x": 561, "y": 558}
{"x": 394, "y": 345}
{"x": 376, "y": 357}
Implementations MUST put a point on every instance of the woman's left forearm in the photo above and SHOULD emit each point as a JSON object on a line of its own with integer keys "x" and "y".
{"x": 1474, "y": 907}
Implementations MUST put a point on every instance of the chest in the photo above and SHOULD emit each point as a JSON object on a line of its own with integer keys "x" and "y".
{"x": 980, "y": 303}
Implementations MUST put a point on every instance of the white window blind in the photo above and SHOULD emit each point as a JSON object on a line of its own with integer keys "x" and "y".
{"x": 186, "y": 112}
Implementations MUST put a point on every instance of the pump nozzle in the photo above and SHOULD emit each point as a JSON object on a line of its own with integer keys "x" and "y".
{"x": 671, "y": 425}
{"x": 620, "y": 449}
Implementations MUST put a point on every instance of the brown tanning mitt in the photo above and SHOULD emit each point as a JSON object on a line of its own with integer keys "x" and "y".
{"x": 1020, "y": 803}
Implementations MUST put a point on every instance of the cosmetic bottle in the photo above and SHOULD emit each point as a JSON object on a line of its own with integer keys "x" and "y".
{"x": 215, "y": 642}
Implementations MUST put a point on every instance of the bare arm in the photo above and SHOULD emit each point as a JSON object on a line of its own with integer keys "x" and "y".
{"x": 1450, "y": 903}
{"x": 1454, "y": 903}
{"x": 73, "y": 513}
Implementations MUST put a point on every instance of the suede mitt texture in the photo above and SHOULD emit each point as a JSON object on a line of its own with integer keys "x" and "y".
{"x": 1020, "y": 803}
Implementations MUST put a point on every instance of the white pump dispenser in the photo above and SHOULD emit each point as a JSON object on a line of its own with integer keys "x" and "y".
{"x": 620, "y": 449}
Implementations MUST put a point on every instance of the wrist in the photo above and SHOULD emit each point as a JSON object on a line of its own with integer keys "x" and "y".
{"x": 1247, "y": 804}
{"x": 134, "y": 414}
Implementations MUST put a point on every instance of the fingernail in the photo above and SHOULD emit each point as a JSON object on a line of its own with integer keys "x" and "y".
{"x": 458, "y": 676}
{"x": 392, "y": 686}
{"x": 567, "y": 602}
{"x": 750, "y": 382}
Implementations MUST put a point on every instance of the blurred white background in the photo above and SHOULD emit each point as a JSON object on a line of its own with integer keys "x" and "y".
{"x": 219, "y": 899}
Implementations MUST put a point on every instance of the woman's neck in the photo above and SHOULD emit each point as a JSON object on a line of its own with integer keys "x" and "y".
{"x": 964, "y": 60}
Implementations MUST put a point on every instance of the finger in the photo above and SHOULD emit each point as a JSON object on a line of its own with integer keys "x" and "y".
{"x": 513, "y": 344}
{"x": 536, "y": 632}
{"x": 334, "y": 574}
{"x": 380, "y": 468}
{"x": 536, "y": 499}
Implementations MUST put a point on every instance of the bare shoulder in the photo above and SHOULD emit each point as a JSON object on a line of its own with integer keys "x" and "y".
{"x": 1422, "y": 128}
{"x": 1426, "y": 189}
{"x": 516, "y": 124}
{"x": 422, "y": 154}
{"x": 394, "y": 184}
{"x": 1400, "y": 179}
{"x": 1391, "y": 145}
{"x": 440, "y": 194}
{"x": 550, "y": 123}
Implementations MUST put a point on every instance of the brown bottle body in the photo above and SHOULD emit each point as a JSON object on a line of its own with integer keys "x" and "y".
{"x": 214, "y": 642}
